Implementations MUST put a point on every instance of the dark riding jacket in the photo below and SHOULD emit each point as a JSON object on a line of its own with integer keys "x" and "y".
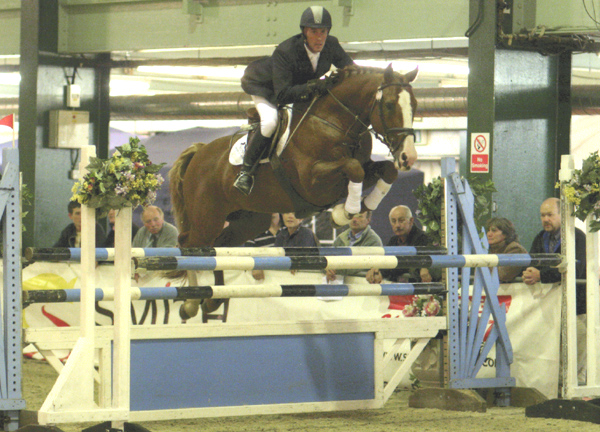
{"x": 282, "y": 77}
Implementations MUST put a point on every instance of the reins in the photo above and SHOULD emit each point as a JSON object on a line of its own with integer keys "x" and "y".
{"x": 387, "y": 131}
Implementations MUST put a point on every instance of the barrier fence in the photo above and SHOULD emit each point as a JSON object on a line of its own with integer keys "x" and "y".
{"x": 126, "y": 395}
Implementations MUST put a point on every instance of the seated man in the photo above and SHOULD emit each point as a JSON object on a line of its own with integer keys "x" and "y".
{"x": 359, "y": 234}
{"x": 406, "y": 234}
{"x": 293, "y": 234}
{"x": 155, "y": 232}
{"x": 70, "y": 237}
{"x": 548, "y": 241}
{"x": 265, "y": 239}
{"x": 110, "y": 238}
{"x": 268, "y": 237}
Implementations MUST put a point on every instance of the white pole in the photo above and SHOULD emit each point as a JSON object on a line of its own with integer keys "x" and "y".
{"x": 569, "y": 287}
{"x": 593, "y": 305}
{"x": 122, "y": 305}
{"x": 88, "y": 275}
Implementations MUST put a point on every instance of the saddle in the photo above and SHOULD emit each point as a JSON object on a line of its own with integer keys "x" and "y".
{"x": 302, "y": 207}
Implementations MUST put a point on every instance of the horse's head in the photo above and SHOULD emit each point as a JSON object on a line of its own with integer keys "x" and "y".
{"x": 392, "y": 116}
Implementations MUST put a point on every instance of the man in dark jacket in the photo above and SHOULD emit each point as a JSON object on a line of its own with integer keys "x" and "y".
{"x": 548, "y": 241}
{"x": 406, "y": 233}
{"x": 70, "y": 237}
{"x": 290, "y": 75}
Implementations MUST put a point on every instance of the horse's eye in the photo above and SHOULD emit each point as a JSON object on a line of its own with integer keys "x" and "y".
{"x": 390, "y": 106}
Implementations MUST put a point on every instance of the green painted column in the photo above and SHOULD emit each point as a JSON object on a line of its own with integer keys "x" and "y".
{"x": 519, "y": 106}
{"x": 44, "y": 74}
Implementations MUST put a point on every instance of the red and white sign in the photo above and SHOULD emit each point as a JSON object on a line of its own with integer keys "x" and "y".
{"x": 480, "y": 152}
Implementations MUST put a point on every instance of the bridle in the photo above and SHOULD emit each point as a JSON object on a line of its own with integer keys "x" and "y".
{"x": 388, "y": 132}
{"x": 401, "y": 132}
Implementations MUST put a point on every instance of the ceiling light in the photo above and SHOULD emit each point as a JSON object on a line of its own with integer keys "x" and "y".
{"x": 223, "y": 72}
{"x": 128, "y": 87}
{"x": 10, "y": 78}
{"x": 403, "y": 65}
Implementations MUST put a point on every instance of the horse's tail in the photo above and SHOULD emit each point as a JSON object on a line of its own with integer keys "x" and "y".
{"x": 176, "y": 174}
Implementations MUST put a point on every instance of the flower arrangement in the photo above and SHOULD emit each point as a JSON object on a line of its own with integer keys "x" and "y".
{"x": 425, "y": 306}
{"x": 127, "y": 179}
{"x": 583, "y": 191}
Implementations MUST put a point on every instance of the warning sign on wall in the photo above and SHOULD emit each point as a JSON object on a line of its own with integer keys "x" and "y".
{"x": 480, "y": 152}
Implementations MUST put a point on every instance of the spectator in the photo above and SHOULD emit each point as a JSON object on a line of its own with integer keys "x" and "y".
{"x": 293, "y": 234}
{"x": 71, "y": 236}
{"x": 268, "y": 237}
{"x": 359, "y": 234}
{"x": 155, "y": 232}
{"x": 406, "y": 234}
{"x": 110, "y": 238}
{"x": 264, "y": 240}
{"x": 503, "y": 239}
{"x": 548, "y": 241}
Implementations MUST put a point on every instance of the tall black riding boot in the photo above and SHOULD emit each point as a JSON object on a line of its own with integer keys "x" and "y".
{"x": 254, "y": 150}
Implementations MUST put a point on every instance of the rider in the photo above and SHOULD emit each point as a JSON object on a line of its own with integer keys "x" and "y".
{"x": 289, "y": 75}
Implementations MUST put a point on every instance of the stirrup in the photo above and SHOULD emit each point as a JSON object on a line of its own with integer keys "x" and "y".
{"x": 244, "y": 182}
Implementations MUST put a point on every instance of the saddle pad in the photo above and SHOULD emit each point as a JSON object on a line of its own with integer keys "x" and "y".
{"x": 236, "y": 155}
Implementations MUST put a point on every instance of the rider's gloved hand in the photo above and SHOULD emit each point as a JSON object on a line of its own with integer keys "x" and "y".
{"x": 317, "y": 86}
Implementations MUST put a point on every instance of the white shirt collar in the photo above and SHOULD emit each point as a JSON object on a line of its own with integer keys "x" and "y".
{"x": 313, "y": 57}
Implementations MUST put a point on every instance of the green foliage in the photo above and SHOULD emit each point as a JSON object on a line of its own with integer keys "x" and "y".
{"x": 26, "y": 201}
{"x": 583, "y": 191}
{"x": 126, "y": 179}
{"x": 430, "y": 198}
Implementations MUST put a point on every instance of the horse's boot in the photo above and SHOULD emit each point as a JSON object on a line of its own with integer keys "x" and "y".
{"x": 254, "y": 150}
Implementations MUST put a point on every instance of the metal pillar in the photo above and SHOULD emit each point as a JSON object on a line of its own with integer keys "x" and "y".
{"x": 44, "y": 75}
{"x": 520, "y": 101}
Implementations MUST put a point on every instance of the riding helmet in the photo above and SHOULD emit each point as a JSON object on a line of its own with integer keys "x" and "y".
{"x": 316, "y": 17}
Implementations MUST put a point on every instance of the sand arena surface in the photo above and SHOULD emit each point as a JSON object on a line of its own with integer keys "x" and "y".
{"x": 38, "y": 378}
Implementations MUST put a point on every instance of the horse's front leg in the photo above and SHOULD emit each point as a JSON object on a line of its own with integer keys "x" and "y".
{"x": 382, "y": 172}
{"x": 352, "y": 168}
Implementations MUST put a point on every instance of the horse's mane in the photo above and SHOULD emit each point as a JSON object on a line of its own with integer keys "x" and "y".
{"x": 339, "y": 75}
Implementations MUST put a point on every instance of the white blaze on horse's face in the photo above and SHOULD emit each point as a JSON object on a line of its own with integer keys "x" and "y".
{"x": 407, "y": 118}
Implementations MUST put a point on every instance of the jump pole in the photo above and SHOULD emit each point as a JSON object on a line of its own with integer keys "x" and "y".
{"x": 346, "y": 262}
{"x": 108, "y": 254}
{"x": 240, "y": 291}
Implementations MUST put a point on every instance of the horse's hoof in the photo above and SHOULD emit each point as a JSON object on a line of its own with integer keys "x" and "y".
{"x": 211, "y": 305}
{"x": 189, "y": 310}
{"x": 340, "y": 217}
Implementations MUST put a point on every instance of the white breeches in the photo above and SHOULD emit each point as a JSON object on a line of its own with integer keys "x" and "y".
{"x": 268, "y": 115}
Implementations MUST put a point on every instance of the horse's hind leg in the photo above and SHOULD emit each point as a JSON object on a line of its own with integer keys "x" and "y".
{"x": 243, "y": 226}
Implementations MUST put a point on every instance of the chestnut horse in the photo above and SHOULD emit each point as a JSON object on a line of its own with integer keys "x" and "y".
{"x": 326, "y": 159}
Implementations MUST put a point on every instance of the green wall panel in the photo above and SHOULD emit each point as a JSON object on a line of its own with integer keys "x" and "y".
{"x": 118, "y": 26}
{"x": 10, "y": 27}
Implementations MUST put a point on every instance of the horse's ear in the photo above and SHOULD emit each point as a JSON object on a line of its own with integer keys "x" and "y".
{"x": 388, "y": 74}
{"x": 412, "y": 74}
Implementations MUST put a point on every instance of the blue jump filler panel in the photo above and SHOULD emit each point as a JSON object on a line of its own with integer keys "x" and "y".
{"x": 236, "y": 371}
